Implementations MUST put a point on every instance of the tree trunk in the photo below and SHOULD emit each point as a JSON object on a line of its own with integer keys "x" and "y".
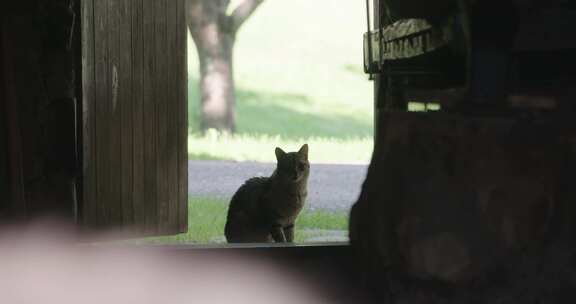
{"x": 215, "y": 49}
{"x": 214, "y": 33}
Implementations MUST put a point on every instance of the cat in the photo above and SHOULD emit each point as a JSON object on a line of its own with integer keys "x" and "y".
{"x": 264, "y": 209}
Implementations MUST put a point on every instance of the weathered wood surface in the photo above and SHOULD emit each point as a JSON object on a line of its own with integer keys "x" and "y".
{"x": 4, "y": 182}
{"x": 17, "y": 200}
{"x": 134, "y": 77}
{"x": 38, "y": 106}
{"x": 406, "y": 39}
{"x": 182, "y": 93}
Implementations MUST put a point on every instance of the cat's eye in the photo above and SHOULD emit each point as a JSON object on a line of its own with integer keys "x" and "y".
{"x": 302, "y": 166}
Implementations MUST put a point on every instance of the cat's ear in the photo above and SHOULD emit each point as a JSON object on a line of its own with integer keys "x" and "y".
{"x": 280, "y": 154}
{"x": 303, "y": 152}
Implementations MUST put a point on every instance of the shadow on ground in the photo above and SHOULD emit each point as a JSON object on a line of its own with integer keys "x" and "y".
{"x": 270, "y": 113}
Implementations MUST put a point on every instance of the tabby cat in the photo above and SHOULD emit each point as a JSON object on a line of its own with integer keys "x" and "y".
{"x": 264, "y": 209}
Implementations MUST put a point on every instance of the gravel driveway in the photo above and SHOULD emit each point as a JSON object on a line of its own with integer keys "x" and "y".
{"x": 334, "y": 187}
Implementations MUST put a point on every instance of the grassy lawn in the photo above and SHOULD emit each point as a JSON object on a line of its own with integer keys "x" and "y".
{"x": 217, "y": 146}
{"x": 207, "y": 217}
{"x": 298, "y": 80}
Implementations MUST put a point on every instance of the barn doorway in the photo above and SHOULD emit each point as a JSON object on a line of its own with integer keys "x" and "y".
{"x": 296, "y": 82}
{"x": 147, "y": 161}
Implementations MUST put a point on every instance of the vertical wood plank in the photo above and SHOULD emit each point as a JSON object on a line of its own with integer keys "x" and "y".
{"x": 100, "y": 114}
{"x": 87, "y": 210}
{"x": 161, "y": 102}
{"x": 181, "y": 70}
{"x": 105, "y": 123}
{"x": 4, "y": 181}
{"x": 114, "y": 107}
{"x": 139, "y": 128}
{"x": 17, "y": 205}
{"x": 136, "y": 125}
{"x": 126, "y": 107}
{"x": 150, "y": 87}
{"x": 174, "y": 105}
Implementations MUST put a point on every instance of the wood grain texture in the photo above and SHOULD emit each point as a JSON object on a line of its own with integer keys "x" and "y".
{"x": 101, "y": 194}
{"x": 172, "y": 123}
{"x": 88, "y": 111}
{"x": 182, "y": 89}
{"x": 17, "y": 203}
{"x": 149, "y": 128}
{"x": 126, "y": 107}
{"x": 4, "y": 182}
{"x": 138, "y": 187}
{"x": 114, "y": 108}
{"x": 134, "y": 128}
{"x": 162, "y": 119}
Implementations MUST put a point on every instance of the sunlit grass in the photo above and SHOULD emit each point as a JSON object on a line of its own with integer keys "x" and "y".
{"x": 207, "y": 217}
{"x": 423, "y": 107}
{"x": 323, "y": 220}
{"x": 299, "y": 79}
{"x": 296, "y": 82}
{"x": 218, "y": 146}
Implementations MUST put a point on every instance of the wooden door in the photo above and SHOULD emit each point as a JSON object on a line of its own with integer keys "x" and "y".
{"x": 134, "y": 122}
{"x": 4, "y": 182}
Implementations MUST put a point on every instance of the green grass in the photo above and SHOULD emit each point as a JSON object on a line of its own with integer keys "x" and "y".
{"x": 207, "y": 216}
{"x": 299, "y": 77}
{"x": 217, "y": 146}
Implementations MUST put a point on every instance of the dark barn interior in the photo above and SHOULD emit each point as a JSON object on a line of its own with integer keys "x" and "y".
{"x": 471, "y": 203}
{"x": 39, "y": 94}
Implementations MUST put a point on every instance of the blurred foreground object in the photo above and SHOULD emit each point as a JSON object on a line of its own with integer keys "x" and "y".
{"x": 470, "y": 201}
{"x": 45, "y": 264}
